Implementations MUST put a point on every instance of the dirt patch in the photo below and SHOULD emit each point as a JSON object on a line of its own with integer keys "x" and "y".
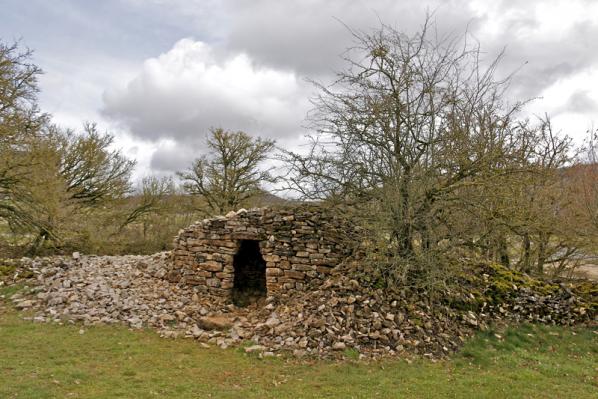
{"x": 587, "y": 271}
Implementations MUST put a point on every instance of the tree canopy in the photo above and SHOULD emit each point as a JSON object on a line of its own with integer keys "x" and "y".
{"x": 231, "y": 172}
{"x": 418, "y": 136}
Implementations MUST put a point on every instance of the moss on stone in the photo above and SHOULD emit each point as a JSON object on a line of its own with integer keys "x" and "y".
{"x": 588, "y": 291}
{"x": 7, "y": 269}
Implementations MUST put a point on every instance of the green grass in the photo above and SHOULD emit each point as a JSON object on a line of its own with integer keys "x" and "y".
{"x": 7, "y": 291}
{"x": 56, "y": 361}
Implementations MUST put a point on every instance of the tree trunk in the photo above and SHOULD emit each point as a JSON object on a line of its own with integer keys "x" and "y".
{"x": 38, "y": 242}
{"x": 404, "y": 231}
{"x": 502, "y": 252}
{"x": 542, "y": 252}
{"x": 526, "y": 257}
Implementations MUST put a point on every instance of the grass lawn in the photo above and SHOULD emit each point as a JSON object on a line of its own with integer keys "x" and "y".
{"x": 53, "y": 361}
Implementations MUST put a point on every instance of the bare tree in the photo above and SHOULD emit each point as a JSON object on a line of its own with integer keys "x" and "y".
{"x": 19, "y": 113}
{"x": 93, "y": 173}
{"x": 410, "y": 123}
{"x": 69, "y": 177}
{"x": 150, "y": 200}
{"x": 590, "y": 194}
{"x": 21, "y": 124}
{"x": 417, "y": 135}
{"x": 231, "y": 172}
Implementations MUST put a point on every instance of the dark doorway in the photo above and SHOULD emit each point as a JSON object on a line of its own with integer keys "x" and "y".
{"x": 249, "y": 284}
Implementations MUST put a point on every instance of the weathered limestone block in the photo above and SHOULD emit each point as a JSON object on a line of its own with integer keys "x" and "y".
{"x": 226, "y": 284}
{"x": 304, "y": 268}
{"x": 213, "y": 282}
{"x": 195, "y": 280}
{"x": 271, "y": 258}
{"x": 284, "y": 264}
{"x": 294, "y": 274}
{"x": 211, "y": 266}
{"x": 323, "y": 269}
{"x": 274, "y": 271}
{"x": 324, "y": 262}
{"x": 223, "y": 243}
{"x": 228, "y": 268}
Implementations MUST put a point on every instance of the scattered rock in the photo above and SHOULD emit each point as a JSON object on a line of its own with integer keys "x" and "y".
{"x": 214, "y": 323}
{"x": 339, "y": 346}
{"x": 196, "y": 331}
{"x": 273, "y": 320}
{"x": 255, "y": 348}
{"x": 326, "y": 319}
{"x": 24, "y": 304}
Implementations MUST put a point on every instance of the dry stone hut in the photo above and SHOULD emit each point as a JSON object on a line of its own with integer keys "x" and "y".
{"x": 258, "y": 252}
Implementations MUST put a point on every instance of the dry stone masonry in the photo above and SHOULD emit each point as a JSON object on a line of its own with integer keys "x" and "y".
{"x": 260, "y": 251}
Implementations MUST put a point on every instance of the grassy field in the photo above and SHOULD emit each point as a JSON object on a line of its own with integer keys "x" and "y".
{"x": 69, "y": 361}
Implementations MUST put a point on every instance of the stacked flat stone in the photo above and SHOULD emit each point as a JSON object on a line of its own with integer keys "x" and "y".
{"x": 299, "y": 245}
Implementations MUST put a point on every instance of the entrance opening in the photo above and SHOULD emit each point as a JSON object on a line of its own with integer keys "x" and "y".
{"x": 249, "y": 284}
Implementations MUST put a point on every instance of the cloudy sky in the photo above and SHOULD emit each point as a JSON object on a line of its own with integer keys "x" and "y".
{"x": 159, "y": 73}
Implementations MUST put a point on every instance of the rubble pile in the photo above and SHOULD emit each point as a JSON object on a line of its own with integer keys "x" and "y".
{"x": 502, "y": 293}
{"x": 109, "y": 289}
{"x": 340, "y": 316}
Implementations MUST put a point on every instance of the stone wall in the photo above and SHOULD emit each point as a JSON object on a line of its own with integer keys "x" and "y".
{"x": 299, "y": 245}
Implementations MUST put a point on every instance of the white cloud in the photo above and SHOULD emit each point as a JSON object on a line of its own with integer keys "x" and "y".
{"x": 246, "y": 70}
{"x": 309, "y": 35}
{"x": 188, "y": 89}
{"x": 185, "y": 91}
{"x": 571, "y": 103}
